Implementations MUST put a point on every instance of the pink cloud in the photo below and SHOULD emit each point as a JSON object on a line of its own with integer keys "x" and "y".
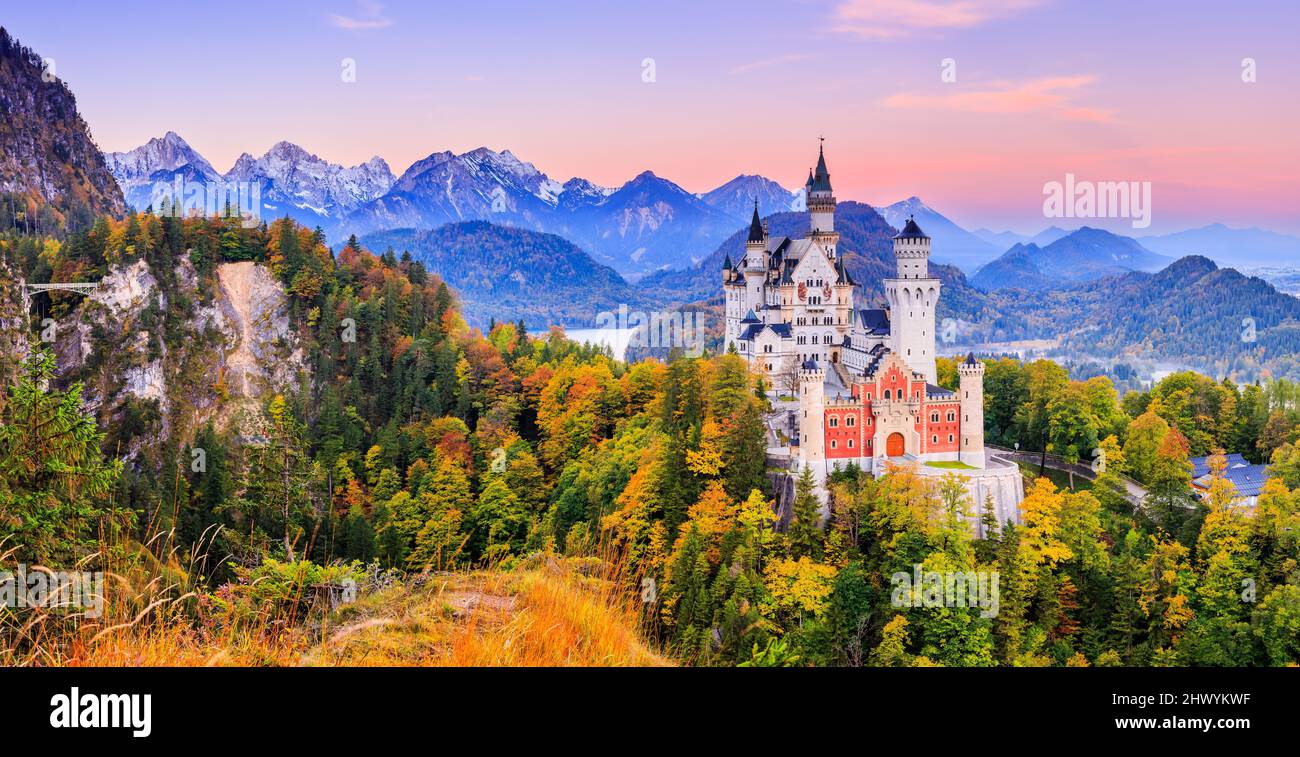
{"x": 897, "y": 18}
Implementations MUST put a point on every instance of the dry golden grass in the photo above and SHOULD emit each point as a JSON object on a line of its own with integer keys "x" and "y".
{"x": 545, "y": 613}
{"x": 550, "y": 615}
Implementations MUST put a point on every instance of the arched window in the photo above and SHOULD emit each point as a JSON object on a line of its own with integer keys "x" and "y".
{"x": 834, "y": 421}
{"x": 886, "y": 394}
{"x": 849, "y": 421}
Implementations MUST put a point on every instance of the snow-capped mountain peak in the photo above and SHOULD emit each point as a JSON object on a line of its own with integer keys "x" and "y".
{"x": 736, "y": 197}
{"x": 290, "y": 174}
{"x": 170, "y": 152}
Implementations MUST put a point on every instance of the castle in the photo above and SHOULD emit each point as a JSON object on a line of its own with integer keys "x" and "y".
{"x": 866, "y": 378}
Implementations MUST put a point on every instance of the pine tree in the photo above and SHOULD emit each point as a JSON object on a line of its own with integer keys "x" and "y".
{"x": 52, "y": 474}
{"x": 804, "y": 537}
{"x": 280, "y": 476}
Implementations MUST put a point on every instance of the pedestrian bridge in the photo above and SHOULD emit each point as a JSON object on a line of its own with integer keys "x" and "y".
{"x": 80, "y": 287}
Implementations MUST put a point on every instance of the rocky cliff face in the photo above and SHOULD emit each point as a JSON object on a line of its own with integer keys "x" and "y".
{"x": 167, "y": 351}
{"x": 13, "y": 325}
{"x": 259, "y": 352}
{"x": 48, "y": 161}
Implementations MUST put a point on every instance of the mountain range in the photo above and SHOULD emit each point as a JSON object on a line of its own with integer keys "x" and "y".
{"x": 1008, "y": 239}
{"x": 1248, "y": 248}
{"x": 647, "y": 224}
{"x": 1083, "y": 255}
{"x": 292, "y": 181}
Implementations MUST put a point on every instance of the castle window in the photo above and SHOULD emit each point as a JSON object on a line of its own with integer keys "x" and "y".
{"x": 935, "y": 440}
{"x": 832, "y": 444}
{"x": 850, "y": 444}
{"x": 886, "y": 394}
{"x": 950, "y": 438}
{"x": 834, "y": 421}
{"x": 934, "y": 417}
{"x": 952, "y": 417}
{"x": 849, "y": 421}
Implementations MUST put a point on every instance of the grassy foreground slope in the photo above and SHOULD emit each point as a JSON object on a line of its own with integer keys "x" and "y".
{"x": 549, "y": 612}
{"x": 548, "y": 615}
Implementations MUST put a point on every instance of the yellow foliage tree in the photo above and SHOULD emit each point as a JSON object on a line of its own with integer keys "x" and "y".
{"x": 797, "y": 588}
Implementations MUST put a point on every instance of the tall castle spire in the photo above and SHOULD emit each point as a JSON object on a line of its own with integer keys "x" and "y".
{"x": 821, "y": 178}
{"x": 821, "y": 205}
{"x": 756, "y": 233}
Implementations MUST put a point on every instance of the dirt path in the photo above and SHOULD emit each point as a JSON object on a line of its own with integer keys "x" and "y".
{"x": 236, "y": 282}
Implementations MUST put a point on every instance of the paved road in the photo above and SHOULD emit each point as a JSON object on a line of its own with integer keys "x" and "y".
{"x": 1135, "y": 493}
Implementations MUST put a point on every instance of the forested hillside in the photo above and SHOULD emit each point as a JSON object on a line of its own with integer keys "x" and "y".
{"x": 410, "y": 443}
{"x": 51, "y": 172}
{"x": 512, "y": 274}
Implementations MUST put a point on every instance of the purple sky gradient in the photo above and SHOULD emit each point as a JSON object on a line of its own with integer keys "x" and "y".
{"x": 1139, "y": 91}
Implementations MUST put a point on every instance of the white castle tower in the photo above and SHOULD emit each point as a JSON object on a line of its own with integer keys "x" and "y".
{"x": 913, "y": 297}
{"x": 971, "y": 372}
{"x": 755, "y": 264}
{"x": 812, "y": 429}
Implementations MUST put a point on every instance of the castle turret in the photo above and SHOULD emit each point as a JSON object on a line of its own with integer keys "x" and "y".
{"x": 971, "y": 375}
{"x": 912, "y": 252}
{"x": 812, "y": 413}
{"x": 913, "y": 297}
{"x": 733, "y": 289}
{"x": 821, "y": 206}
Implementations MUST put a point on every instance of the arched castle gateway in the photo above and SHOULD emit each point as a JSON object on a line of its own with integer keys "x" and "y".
{"x": 867, "y": 390}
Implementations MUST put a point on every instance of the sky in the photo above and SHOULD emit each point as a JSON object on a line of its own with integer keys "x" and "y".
{"x": 972, "y": 105}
